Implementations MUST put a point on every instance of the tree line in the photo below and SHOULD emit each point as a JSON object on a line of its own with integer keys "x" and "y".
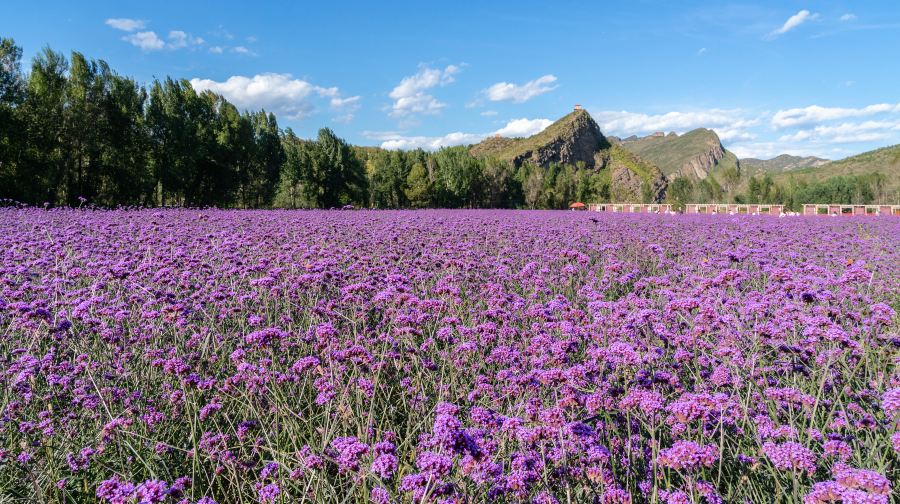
{"x": 864, "y": 189}
{"x": 72, "y": 130}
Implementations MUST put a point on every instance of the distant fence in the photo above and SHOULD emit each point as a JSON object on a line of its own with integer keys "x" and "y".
{"x": 630, "y": 207}
{"x": 747, "y": 209}
{"x": 732, "y": 208}
{"x": 850, "y": 210}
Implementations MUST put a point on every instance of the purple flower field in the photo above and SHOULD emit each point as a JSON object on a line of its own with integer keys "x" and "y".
{"x": 210, "y": 356}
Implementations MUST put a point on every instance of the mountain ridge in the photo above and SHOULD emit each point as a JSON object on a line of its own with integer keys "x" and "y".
{"x": 573, "y": 138}
{"x": 884, "y": 161}
{"x": 576, "y": 139}
{"x": 783, "y": 162}
{"x": 697, "y": 153}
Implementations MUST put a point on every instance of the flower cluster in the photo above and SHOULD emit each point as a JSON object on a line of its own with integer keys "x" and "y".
{"x": 851, "y": 485}
{"x": 688, "y": 456}
{"x": 790, "y": 456}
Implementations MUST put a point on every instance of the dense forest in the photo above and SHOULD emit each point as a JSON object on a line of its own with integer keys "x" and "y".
{"x": 74, "y": 132}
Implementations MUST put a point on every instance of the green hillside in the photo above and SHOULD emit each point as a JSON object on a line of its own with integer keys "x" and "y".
{"x": 618, "y": 156}
{"x": 696, "y": 151}
{"x": 885, "y": 161}
{"x": 784, "y": 162}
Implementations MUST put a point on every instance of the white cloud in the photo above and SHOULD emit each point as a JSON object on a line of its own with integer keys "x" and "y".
{"x": 817, "y": 114}
{"x": 179, "y": 39}
{"x": 344, "y": 102}
{"x": 812, "y": 130}
{"x": 793, "y": 22}
{"x": 630, "y": 123}
{"x": 701, "y": 51}
{"x": 523, "y": 127}
{"x": 514, "y": 128}
{"x": 770, "y": 149}
{"x": 867, "y": 131}
{"x": 848, "y": 17}
{"x": 223, "y": 33}
{"x": 431, "y": 143}
{"x": 726, "y": 134}
{"x": 409, "y": 96}
{"x": 242, "y": 50}
{"x": 279, "y": 93}
{"x": 489, "y": 113}
{"x": 347, "y": 106}
{"x": 216, "y": 49}
{"x": 506, "y": 91}
{"x": 125, "y": 24}
{"x": 149, "y": 40}
{"x": 146, "y": 41}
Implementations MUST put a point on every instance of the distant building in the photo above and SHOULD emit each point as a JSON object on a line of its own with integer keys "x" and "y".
{"x": 578, "y": 107}
{"x": 658, "y": 134}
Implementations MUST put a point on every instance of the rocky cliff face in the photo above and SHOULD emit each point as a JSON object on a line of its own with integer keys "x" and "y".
{"x": 627, "y": 186}
{"x": 578, "y": 140}
{"x": 631, "y": 178}
{"x": 701, "y": 164}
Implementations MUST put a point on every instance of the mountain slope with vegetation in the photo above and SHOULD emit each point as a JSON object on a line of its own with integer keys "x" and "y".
{"x": 784, "y": 162}
{"x": 696, "y": 153}
{"x": 572, "y": 139}
{"x": 882, "y": 166}
{"x": 576, "y": 139}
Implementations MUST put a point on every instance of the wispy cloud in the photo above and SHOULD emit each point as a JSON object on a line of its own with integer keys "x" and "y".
{"x": 148, "y": 40}
{"x": 346, "y": 107}
{"x": 516, "y": 93}
{"x": 514, "y": 128}
{"x": 242, "y": 50}
{"x": 848, "y": 17}
{"x": 867, "y": 131}
{"x": 701, "y": 51}
{"x": 179, "y": 39}
{"x": 728, "y": 123}
{"x": 817, "y": 114}
{"x": 793, "y": 22}
{"x": 125, "y": 24}
{"x": 826, "y": 131}
{"x": 769, "y": 149}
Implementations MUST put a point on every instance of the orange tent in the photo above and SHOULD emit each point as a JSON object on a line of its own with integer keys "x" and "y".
{"x": 577, "y": 206}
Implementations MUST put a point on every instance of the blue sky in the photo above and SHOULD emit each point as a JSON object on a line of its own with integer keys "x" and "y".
{"x": 770, "y": 77}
